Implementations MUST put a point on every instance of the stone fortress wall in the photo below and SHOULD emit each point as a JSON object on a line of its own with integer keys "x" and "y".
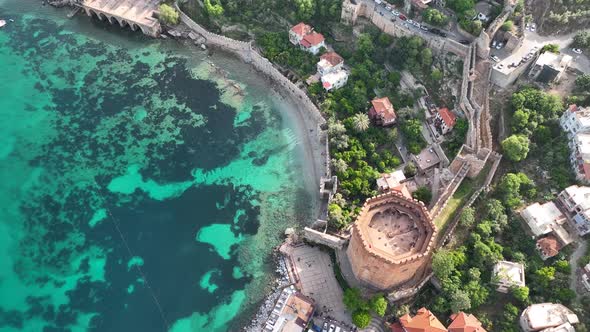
{"x": 366, "y": 8}
{"x": 380, "y": 271}
{"x": 245, "y": 52}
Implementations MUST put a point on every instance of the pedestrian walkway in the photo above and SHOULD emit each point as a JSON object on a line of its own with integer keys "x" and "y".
{"x": 316, "y": 278}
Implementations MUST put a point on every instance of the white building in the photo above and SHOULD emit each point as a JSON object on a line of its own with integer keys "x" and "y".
{"x": 576, "y": 201}
{"x": 575, "y": 120}
{"x": 330, "y": 62}
{"x": 299, "y": 31}
{"x": 580, "y": 156}
{"x": 548, "y": 317}
{"x": 313, "y": 42}
{"x": 507, "y": 275}
{"x": 544, "y": 219}
{"x": 334, "y": 80}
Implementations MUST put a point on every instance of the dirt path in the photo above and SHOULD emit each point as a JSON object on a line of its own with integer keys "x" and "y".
{"x": 578, "y": 253}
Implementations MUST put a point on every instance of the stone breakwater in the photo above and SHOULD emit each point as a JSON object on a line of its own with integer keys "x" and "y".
{"x": 259, "y": 320}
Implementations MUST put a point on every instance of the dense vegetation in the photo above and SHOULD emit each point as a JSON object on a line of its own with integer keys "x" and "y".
{"x": 435, "y": 17}
{"x": 168, "y": 15}
{"x": 536, "y": 133}
{"x": 361, "y": 309}
{"x": 582, "y": 40}
{"x": 277, "y": 48}
{"x": 493, "y": 231}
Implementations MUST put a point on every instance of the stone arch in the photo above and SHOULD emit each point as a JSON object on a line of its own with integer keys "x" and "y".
{"x": 133, "y": 26}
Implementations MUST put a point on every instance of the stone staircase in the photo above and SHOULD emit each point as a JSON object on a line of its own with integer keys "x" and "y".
{"x": 377, "y": 324}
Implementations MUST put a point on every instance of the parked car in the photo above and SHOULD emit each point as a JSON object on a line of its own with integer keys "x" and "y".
{"x": 443, "y": 34}
{"x": 494, "y": 43}
{"x": 395, "y": 12}
{"x": 527, "y": 26}
{"x": 388, "y": 7}
{"x": 495, "y": 58}
{"x": 325, "y": 327}
{"x": 332, "y": 327}
{"x": 464, "y": 42}
{"x": 500, "y": 45}
{"x": 416, "y": 24}
{"x": 402, "y": 17}
{"x": 533, "y": 27}
{"x": 423, "y": 27}
{"x": 577, "y": 50}
{"x": 411, "y": 22}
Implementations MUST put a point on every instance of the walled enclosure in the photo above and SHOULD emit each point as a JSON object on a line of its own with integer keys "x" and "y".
{"x": 391, "y": 242}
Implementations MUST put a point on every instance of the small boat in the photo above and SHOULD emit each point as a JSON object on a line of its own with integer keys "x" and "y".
{"x": 2, "y": 23}
{"x": 11, "y": 20}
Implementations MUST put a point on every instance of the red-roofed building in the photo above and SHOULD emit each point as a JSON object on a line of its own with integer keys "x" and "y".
{"x": 424, "y": 321}
{"x": 299, "y": 31}
{"x": 462, "y": 322}
{"x": 382, "y": 112}
{"x": 313, "y": 42}
{"x": 548, "y": 246}
{"x": 329, "y": 62}
{"x": 444, "y": 120}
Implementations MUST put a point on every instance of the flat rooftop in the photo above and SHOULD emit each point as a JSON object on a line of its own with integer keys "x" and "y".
{"x": 545, "y": 315}
{"x": 137, "y": 11}
{"x": 427, "y": 158}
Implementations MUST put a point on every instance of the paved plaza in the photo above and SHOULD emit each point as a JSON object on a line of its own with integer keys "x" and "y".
{"x": 317, "y": 280}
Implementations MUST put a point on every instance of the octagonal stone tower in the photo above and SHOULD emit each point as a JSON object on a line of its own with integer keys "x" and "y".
{"x": 391, "y": 242}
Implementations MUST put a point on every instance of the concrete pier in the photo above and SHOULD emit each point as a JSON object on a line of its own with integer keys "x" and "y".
{"x": 136, "y": 14}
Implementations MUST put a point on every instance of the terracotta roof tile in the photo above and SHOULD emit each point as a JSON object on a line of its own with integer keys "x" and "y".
{"x": 549, "y": 245}
{"x": 424, "y": 321}
{"x": 447, "y": 116}
{"x": 301, "y": 29}
{"x": 463, "y": 322}
{"x": 332, "y": 57}
{"x": 312, "y": 39}
{"x": 384, "y": 108}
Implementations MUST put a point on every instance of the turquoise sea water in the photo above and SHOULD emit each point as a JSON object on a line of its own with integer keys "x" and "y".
{"x": 139, "y": 189}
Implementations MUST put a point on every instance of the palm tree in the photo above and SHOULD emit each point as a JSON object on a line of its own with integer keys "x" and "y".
{"x": 361, "y": 122}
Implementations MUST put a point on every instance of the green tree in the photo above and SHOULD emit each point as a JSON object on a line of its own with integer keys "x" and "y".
{"x": 378, "y": 305}
{"x": 336, "y": 216}
{"x": 582, "y": 39}
{"x": 213, "y": 8}
{"x": 553, "y": 48}
{"x": 353, "y": 300}
{"x": 460, "y": 6}
{"x": 583, "y": 82}
{"x": 340, "y": 166}
{"x": 516, "y": 147}
{"x": 508, "y": 25}
{"x": 435, "y": 17}
{"x": 361, "y": 318}
{"x": 520, "y": 293}
{"x": 410, "y": 169}
{"x": 459, "y": 301}
{"x": 423, "y": 194}
{"x": 168, "y": 15}
{"x": 545, "y": 275}
{"x": 361, "y": 122}
{"x": 467, "y": 217}
{"x": 444, "y": 262}
{"x": 305, "y": 9}
{"x": 436, "y": 74}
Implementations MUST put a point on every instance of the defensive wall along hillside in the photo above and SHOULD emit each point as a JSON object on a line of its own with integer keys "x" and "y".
{"x": 364, "y": 8}
{"x": 245, "y": 52}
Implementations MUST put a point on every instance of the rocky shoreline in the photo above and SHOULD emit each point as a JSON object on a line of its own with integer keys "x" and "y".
{"x": 281, "y": 281}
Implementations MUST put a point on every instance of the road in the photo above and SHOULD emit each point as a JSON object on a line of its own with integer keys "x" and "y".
{"x": 381, "y": 10}
{"x": 532, "y": 39}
